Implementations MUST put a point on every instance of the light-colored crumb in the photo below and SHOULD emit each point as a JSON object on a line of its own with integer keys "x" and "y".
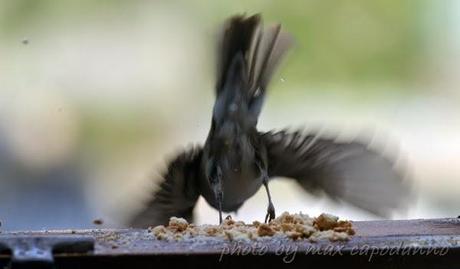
{"x": 178, "y": 224}
{"x": 326, "y": 222}
{"x": 293, "y": 226}
{"x": 265, "y": 230}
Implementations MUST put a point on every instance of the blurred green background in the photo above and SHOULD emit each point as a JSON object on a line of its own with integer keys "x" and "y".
{"x": 95, "y": 96}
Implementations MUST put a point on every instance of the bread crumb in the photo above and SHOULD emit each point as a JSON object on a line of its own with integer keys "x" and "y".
{"x": 98, "y": 221}
{"x": 265, "y": 230}
{"x": 294, "y": 226}
{"x": 344, "y": 226}
{"x": 178, "y": 224}
{"x": 326, "y": 222}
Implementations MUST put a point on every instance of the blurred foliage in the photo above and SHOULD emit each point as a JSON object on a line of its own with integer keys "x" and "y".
{"x": 344, "y": 42}
{"x": 109, "y": 131}
{"x": 354, "y": 41}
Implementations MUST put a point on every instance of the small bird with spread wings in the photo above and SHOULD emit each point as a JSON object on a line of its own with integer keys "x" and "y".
{"x": 237, "y": 159}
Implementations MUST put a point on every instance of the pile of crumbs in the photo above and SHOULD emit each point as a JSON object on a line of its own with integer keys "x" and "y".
{"x": 293, "y": 226}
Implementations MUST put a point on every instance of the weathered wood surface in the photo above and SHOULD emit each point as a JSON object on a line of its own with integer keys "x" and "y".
{"x": 433, "y": 243}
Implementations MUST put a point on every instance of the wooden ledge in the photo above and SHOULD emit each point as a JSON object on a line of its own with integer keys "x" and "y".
{"x": 423, "y": 243}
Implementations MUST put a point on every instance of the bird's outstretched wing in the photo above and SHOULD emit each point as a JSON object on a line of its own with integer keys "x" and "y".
{"x": 348, "y": 171}
{"x": 177, "y": 193}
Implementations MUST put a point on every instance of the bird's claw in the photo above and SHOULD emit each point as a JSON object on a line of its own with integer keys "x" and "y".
{"x": 270, "y": 213}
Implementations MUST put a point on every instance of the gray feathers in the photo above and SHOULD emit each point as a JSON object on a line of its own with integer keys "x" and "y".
{"x": 347, "y": 171}
{"x": 261, "y": 50}
{"x": 248, "y": 55}
{"x": 177, "y": 193}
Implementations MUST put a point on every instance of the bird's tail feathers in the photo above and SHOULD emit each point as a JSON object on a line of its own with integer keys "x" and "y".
{"x": 261, "y": 50}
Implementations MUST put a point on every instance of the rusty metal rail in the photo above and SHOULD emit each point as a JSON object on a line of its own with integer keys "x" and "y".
{"x": 433, "y": 243}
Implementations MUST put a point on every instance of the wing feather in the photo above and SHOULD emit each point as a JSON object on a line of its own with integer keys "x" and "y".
{"x": 177, "y": 193}
{"x": 348, "y": 171}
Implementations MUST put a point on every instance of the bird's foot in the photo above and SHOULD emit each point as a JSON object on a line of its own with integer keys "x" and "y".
{"x": 270, "y": 213}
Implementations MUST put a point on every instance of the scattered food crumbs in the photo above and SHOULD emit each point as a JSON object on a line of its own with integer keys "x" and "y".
{"x": 325, "y": 222}
{"x": 178, "y": 224}
{"x": 265, "y": 230}
{"x": 98, "y": 222}
{"x": 109, "y": 237}
{"x": 293, "y": 226}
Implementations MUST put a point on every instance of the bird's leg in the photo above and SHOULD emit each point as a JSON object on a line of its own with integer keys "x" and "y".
{"x": 219, "y": 198}
{"x": 271, "y": 209}
{"x": 216, "y": 184}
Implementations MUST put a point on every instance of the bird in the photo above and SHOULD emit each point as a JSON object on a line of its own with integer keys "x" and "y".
{"x": 237, "y": 159}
